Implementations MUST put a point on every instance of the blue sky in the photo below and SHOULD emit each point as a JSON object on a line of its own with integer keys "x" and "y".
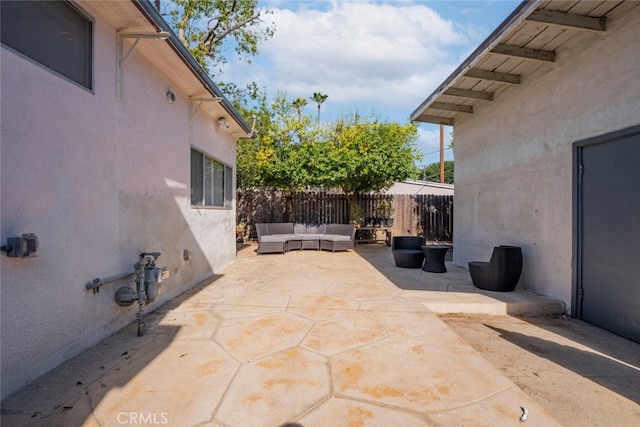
{"x": 384, "y": 57}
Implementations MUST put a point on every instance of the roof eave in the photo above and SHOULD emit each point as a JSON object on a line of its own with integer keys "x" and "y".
{"x": 523, "y": 10}
{"x": 152, "y": 14}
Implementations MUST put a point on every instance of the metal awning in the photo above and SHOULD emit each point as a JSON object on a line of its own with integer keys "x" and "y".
{"x": 531, "y": 37}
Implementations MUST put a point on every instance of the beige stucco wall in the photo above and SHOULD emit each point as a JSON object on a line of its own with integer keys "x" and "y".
{"x": 514, "y": 157}
{"x": 99, "y": 181}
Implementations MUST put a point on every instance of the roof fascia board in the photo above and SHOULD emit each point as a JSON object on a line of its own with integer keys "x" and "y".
{"x": 150, "y": 12}
{"x": 516, "y": 17}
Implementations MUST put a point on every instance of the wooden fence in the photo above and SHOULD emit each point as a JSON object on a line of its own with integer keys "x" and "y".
{"x": 425, "y": 215}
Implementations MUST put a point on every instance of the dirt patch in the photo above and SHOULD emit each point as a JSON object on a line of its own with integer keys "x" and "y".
{"x": 580, "y": 374}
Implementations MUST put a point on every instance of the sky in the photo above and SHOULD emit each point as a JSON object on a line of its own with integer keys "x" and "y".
{"x": 380, "y": 57}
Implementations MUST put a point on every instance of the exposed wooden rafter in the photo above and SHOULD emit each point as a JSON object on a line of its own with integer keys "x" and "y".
{"x": 474, "y": 73}
{"x": 569, "y": 20}
{"x": 525, "y": 52}
{"x": 436, "y": 119}
{"x": 467, "y": 93}
{"x": 533, "y": 36}
{"x": 446, "y": 106}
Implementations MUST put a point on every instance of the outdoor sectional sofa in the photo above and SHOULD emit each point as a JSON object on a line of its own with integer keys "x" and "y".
{"x": 285, "y": 236}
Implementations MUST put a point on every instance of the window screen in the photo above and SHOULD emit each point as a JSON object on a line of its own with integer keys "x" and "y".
{"x": 53, "y": 33}
{"x": 211, "y": 181}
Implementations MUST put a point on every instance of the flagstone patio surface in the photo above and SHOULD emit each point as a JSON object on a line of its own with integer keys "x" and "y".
{"x": 303, "y": 339}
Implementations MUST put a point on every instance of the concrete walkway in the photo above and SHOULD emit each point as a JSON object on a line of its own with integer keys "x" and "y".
{"x": 303, "y": 339}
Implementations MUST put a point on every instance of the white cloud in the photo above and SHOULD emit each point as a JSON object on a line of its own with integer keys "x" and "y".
{"x": 386, "y": 57}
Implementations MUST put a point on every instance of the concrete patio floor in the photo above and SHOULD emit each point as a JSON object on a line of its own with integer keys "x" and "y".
{"x": 303, "y": 339}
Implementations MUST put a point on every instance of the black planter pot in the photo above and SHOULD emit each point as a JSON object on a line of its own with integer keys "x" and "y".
{"x": 388, "y": 222}
{"x": 378, "y": 222}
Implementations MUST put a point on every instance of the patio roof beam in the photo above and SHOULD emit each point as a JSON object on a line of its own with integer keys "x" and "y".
{"x": 446, "y": 106}
{"x": 525, "y": 52}
{"x": 564, "y": 19}
{"x": 425, "y": 118}
{"x": 475, "y": 73}
{"x": 468, "y": 93}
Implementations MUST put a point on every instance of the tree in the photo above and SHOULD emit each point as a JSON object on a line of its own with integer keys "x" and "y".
{"x": 203, "y": 26}
{"x": 369, "y": 155}
{"x": 319, "y": 98}
{"x": 299, "y": 104}
{"x": 356, "y": 154}
{"x": 279, "y": 156}
{"x": 431, "y": 172}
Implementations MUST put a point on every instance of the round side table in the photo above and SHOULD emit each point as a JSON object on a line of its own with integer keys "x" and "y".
{"x": 434, "y": 258}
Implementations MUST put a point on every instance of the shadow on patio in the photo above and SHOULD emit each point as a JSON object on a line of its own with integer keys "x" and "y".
{"x": 453, "y": 291}
{"x": 313, "y": 338}
{"x": 102, "y": 384}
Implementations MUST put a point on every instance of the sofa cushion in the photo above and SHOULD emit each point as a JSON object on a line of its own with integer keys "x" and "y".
{"x": 280, "y": 228}
{"x": 310, "y": 236}
{"x": 336, "y": 237}
{"x": 341, "y": 229}
{"x": 280, "y": 238}
{"x": 309, "y": 229}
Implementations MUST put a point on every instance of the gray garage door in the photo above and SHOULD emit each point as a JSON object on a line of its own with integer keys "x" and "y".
{"x": 608, "y": 292}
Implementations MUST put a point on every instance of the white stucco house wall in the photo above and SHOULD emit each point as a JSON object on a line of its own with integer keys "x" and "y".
{"x": 554, "y": 79}
{"x": 114, "y": 142}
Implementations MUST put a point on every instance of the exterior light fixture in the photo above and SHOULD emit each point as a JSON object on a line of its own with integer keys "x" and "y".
{"x": 171, "y": 97}
{"x": 222, "y": 123}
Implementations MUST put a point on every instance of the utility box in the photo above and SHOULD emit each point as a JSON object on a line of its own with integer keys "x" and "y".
{"x": 22, "y": 247}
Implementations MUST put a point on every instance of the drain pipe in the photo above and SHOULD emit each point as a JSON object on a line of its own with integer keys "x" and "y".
{"x": 139, "y": 268}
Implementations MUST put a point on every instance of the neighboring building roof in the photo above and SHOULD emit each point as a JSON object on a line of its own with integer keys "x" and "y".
{"x": 411, "y": 186}
{"x": 171, "y": 57}
{"x": 530, "y": 38}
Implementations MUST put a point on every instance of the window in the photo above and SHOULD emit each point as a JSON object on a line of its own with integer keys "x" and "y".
{"x": 54, "y": 33}
{"x": 211, "y": 181}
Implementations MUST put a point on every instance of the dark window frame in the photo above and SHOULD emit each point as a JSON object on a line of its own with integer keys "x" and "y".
{"x": 66, "y": 38}
{"x": 211, "y": 181}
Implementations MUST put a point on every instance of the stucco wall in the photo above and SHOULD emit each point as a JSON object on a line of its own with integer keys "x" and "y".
{"x": 514, "y": 157}
{"x": 99, "y": 181}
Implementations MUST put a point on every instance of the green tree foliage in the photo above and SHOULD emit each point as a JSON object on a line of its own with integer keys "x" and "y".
{"x": 299, "y": 104}
{"x": 279, "y": 157}
{"x": 431, "y": 172}
{"x": 215, "y": 30}
{"x": 355, "y": 154}
{"x": 319, "y": 99}
{"x": 369, "y": 155}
